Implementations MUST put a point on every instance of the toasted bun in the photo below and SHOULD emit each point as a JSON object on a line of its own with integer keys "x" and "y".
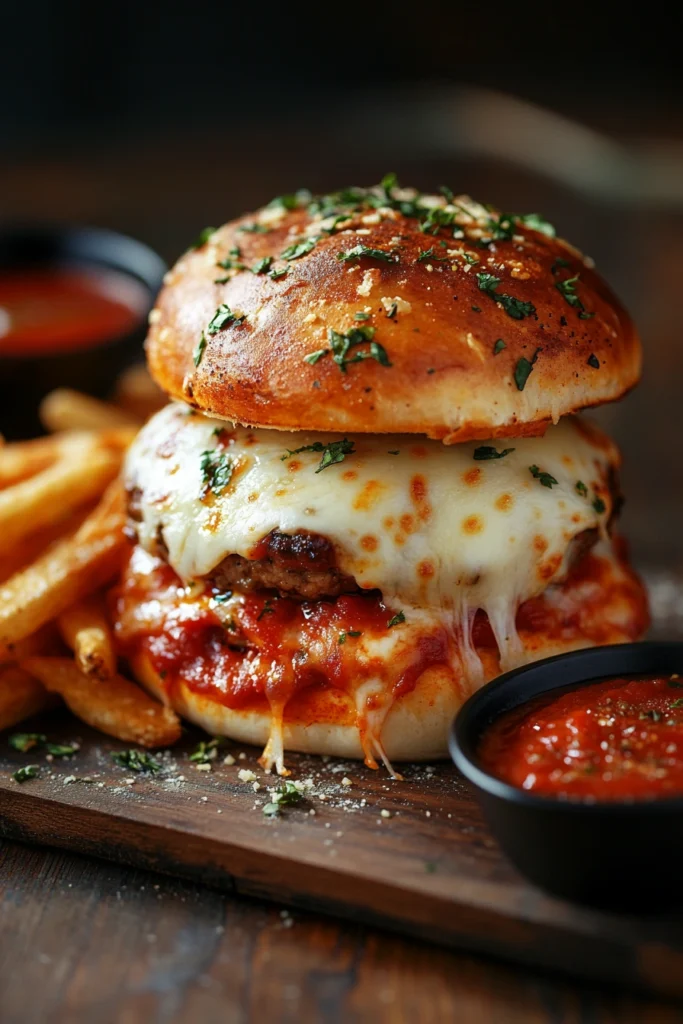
{"x": 416, "y": 728}
{"x": 440, "y": 321}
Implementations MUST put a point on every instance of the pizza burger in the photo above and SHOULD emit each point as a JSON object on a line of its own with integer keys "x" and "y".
{"x": 370, "y": 492}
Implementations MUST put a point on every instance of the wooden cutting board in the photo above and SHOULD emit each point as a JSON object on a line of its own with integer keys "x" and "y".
{"x": 413, "y": 856}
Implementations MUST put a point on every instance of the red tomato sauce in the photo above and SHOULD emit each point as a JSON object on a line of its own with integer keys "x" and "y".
{"x": 620, "y": 739}
{"x": 59, "y": 309}
{"x": 263, "y": 647}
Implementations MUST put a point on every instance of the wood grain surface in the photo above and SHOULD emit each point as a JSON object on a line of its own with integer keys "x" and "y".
{"x": 85, "y": 943}
{"x": 412, "y": 856}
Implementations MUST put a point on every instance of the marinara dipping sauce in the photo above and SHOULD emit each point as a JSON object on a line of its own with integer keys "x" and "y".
{"x": 617, "y": 740}
{"x": 64, "y": 309}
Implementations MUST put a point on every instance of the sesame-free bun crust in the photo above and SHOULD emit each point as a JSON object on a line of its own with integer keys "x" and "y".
{"x": 448, "y": 379}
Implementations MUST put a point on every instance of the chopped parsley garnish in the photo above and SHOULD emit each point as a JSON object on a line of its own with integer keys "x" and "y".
{"x": 536, "y": 223}
{"x": 349, "y": 632}
{"x": 544, "y": 478}
{"x": 299, "y": 249}
{"x": 223, "y": 317}
{"x": 429, "y": 254}
{"x": 437, "y": 218}
{"x": 675, "y": 682}
{"x": 288, "y": 795}
{"x": 275, "y": 275}
{"x": 678, "y": 703}
{"x": 30, "y": 771}
{"x": 199, "y": 351}
{"x": 599, "y": 505}
{"x": 216, "y": 468}
{"x": 476, "y": 309}
{"x": 515, "y": 308}
{"x": 581, "y": 488}
{"x": 396, "y": 620}
{"x": 364, "y": 251}
{"x": 313, "y": 357}
{"x": 523, "y": 368}
{"x": 25, "y": 741}
{"x": 266, "y": 610}
{"x": 558, "y": 263}
{"x": 502, "y": 228}
{"x": 202, "y": 238}
{"x": 393, "y": 451}
{"x": 332, "y": 453}
{"x": 567, "y": 289}
{"x": 499, "y": 346}
{"x": 230, "y": 263}
{"x": 655, "y": 716}
{"x": 341, "y": 344}
{"x": 388, "y": 183}
{"x": 292, "y": 201}
{"x": 593, "y": 361}
{"x": 254, "y": 228}
{"x": 136, "y": 761}
{"x": 262, "y": 266}
{"x": 392, "y": 311}
{"x": 485, "y": 451}
{"x": 60, "y": 749}
{"x": 206, "y": 750}
{"x": 361, "y": 316}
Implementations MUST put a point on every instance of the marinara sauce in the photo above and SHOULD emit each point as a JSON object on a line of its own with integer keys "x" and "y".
{"x": 62, "y": 309}
{"x": 620, "y": 739}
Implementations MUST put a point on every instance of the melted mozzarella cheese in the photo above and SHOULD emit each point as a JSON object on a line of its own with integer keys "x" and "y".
{"x": 429, "y": 525}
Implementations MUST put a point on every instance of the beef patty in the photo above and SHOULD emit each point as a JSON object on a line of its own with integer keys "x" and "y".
{"x": 300, "y": 565}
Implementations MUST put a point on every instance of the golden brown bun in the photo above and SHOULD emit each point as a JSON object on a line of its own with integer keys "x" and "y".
{"x": 448, "y": 378}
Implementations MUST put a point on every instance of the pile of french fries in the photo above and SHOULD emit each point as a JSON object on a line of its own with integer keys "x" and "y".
{"x": 61, "y": 545}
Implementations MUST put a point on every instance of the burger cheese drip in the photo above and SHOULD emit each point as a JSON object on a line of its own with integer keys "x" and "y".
{"x": 251, "y": 650}
{"x": 293, "y": 561}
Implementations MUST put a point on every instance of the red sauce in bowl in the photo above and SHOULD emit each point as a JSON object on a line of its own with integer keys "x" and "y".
{"x": 62, "y": 309}
{"x": 620, "y": 739}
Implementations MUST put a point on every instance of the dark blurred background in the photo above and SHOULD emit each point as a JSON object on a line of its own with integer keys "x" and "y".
{"x": 157, "y": 120}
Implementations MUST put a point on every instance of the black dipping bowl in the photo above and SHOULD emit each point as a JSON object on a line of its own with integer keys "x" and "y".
{"x": 621, "y": 856}
{"x": 25, "y": 379}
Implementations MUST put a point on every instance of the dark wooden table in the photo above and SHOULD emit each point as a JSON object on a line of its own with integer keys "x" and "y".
{"x": 83, "y": 941}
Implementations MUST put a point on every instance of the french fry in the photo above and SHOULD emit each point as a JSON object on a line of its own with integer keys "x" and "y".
{"x": 66, "y": 572}
{"x": 115, "y": 706}
{"x": 64, "y": 409}
{"x": 29, "y": 548}
{"x": 22, "y": 459}
{"x": 84, "y": 627}
{"x": 137, "y": 393}
{"x": 45, "y": 640}
{"x": 82, "y": 471}
{"x": 20, "y": 696}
